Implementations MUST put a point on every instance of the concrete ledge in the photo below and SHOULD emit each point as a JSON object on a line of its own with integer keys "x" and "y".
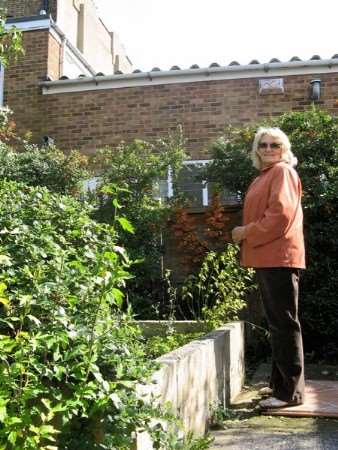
{"x": 159, "y": 327}
{"x": 199, "y": 376}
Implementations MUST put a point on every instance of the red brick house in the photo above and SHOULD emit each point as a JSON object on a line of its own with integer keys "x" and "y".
{"x": 85, "y": 95}
{"x": 81, "y": 91}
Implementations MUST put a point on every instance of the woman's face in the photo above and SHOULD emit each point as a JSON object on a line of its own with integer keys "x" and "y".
{"x": 269, "y": 150}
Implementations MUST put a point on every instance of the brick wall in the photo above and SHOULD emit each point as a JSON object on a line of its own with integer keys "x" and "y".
{"x": 22, "y": 8}
{"x": 92, "y": 119}
{"x": 178, "y": 258}
{"x": 104, "y": 117}
{"x": 54, "y": 67}
{"x": 22, "y": 92}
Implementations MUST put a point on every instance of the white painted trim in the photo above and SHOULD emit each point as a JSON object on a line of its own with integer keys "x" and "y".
{"x": 170, "y": 183}
{"x": 196, "y": 161}
{"x": 75, "y": 51}
{"x": 191, "y": 162}
{"x": 30, "y": 25}
{"x": 205, "y": 196}
{"x": 56, "y": 35}
{"x": 311, "y": 67}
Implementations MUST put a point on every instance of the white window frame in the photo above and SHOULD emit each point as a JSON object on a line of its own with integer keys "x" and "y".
{"x": 190, "y": 162}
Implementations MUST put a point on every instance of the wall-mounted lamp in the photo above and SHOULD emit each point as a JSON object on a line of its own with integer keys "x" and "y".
{"x": 47, "y": 141}
{"x": 315, "y": 89}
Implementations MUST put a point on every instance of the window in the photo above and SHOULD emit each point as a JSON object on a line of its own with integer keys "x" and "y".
{"x": 198, "y": 192}
{"x": 90, "y": 185}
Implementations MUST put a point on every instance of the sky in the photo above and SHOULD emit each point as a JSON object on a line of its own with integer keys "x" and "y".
{"x": 164, "y": 33}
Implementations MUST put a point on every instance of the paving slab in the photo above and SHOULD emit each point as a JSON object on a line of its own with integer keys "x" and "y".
{"x": 245, "y": 428}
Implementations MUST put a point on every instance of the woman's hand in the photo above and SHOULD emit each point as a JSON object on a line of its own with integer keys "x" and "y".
{"x": 238, "y": 234}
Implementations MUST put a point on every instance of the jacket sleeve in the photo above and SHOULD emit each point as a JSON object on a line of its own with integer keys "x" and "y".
{"x": 284, "y": 199}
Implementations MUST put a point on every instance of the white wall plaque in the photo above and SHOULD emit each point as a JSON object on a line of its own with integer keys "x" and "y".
{"x": 271, "y": 86}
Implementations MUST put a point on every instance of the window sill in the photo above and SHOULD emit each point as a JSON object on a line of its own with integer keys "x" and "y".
{"x": 203, "y": 209}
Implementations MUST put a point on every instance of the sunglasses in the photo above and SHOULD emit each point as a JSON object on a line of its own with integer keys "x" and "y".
{"x": 274, "y": 145}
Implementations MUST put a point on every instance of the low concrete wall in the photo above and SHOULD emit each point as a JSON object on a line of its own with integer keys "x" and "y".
{"x": 204, "y": 373}
{"x": 160, "y": 327}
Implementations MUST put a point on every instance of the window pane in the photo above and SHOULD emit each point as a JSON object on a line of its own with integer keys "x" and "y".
{"x": 160, "y": 190}
{"x": 189, "y": 186}
{"x": 226, "y": 197}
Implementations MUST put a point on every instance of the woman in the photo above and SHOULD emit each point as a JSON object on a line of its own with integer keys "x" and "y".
{"x": 272, "y": 242}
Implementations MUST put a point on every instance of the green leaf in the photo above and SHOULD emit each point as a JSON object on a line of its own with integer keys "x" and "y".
{"x": 4, "y": 301}
{"x": 5, "y": 260}
{"x": 126, "y": 225}
{"x": 12, "y": 437}
{"x": 118, "y": 296}
{"x": 34, "y": 319}
{"x": 3, "y": 413}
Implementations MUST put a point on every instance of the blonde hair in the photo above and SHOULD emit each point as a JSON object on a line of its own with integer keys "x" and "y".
{"x": 275, "y": 132}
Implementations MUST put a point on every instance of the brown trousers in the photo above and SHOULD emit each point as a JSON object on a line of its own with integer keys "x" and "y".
{"x": 279, "y": 290}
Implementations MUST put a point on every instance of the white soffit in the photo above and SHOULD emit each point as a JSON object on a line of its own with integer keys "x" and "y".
{"x": 30, "y": 25}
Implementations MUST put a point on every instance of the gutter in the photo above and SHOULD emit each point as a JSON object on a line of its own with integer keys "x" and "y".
{"x": 66, "y": 42}
{"x": 191, "y": 75}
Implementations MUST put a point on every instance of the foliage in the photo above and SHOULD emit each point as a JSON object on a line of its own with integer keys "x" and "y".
{"x": 194, "y": 240}
{"x": 230, "y": 166}
{"x": 70, "y": 357}
{"x": 314, "y": 138}
{"x": 191, "y": 244}
{"x": 192, "y": 443}
{"x": 137, "y": 169}
{"x": 10, "y": 43}
{"x": 44, "y": 166}
{"x": 159, "y": 345}
{"x": 7, "y": 126}
{"x": 217, "y": 293}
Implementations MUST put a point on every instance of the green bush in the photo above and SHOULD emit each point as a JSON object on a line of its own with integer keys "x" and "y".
{"x": 216, "y": 294}
{"x": 44, "y": 166}
{"x": 11, "y": 41}
{"x": 314, "y": 138}
{"x": 136, "y": 169}
{"x": 70, "y": 358}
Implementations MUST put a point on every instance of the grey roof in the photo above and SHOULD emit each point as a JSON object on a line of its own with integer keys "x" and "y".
{"x": 273, "y": 68}
{"x": 253, "y": 62}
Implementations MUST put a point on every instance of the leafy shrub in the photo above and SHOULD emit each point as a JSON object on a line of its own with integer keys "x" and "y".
{"x": 7, "y": 125}
{"x": 136, "y": 169}
{"x": 11, "y": 42}
{"x": 314, "y": 138}
{"x": 69, "y": 357}
{"x": 44, "y": 166}
{"x": 217, "y": 293}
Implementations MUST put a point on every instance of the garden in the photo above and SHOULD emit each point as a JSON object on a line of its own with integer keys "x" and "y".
{"x": 80, "y": 268}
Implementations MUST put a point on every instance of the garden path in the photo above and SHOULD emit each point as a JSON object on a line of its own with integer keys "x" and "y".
{"x": 245, "y": 428}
